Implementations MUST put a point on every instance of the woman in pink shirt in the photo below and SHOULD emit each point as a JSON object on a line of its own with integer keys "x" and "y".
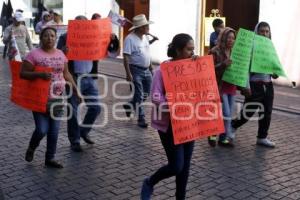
{"x": 45, "y": 123}
{"x": 179, "y": 156}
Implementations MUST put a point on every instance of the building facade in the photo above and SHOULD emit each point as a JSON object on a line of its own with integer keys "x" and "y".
{"x": 176, "y": 16}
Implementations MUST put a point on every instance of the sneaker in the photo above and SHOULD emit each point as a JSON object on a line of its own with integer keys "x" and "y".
{"x": 76, "y": 148}
{"x": 212, "y": 140}
{"x": 265, "y": 142}
{"x": 53, "y": 164}
{"x": 29, "y": 154}
{"x": 147, "y": 190}
{"x": 225, "y": 143}
{"x": 142, "y": 123}
{"x": 87, "y": 139}
{"x": 127, "y": 109}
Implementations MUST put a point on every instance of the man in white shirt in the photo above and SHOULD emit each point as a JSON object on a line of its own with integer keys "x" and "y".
{"x": 137, "y": 64}
{"x": 17, "y": 38}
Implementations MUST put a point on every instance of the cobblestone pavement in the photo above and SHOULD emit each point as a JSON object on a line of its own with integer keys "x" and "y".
{"x": 125, "y": 154}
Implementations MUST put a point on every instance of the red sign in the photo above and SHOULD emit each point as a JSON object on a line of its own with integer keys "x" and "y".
{"x": 88, "y": 39}
{"x": 194, "y": 100}
{"x": 29, "y": 94}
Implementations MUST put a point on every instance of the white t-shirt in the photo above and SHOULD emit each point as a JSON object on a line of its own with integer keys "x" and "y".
{"x": 137, "y": 49}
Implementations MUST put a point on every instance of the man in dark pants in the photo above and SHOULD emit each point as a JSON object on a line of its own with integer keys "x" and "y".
{"x": 261, "y": 99}
{"x": 138, "y": 67}
{"x": 82, "y": 70}
{"x": 262, "y": 95}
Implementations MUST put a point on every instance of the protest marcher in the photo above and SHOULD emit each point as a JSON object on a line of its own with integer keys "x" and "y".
{"x": 45, "y": 123}
{"x": 137, "y": 63}
{"x": 113, "y": 48}
{"x": 17, "y": 38}
{"x": 218, "y": 25}
{"x": 41, "y": 24}
{"x": 179, "y": 156}
{"x": 262, "y": 95}
{"x": 221, "y": 54}
{"x": 57, "y": 18}
{"x": 87, "y": 70}
{"x": 7, "y": 23}
{"x": 88, "y": 88}
{"x": 51, "y": 13}
{"x": 114, "y": 45}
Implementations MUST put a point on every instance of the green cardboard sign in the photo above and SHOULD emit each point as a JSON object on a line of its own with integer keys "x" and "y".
{"x": 238, "y": 72}
{"x": 265, "y": 59}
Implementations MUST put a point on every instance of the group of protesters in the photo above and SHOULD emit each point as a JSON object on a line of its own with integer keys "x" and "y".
{"x": 258, "y": 94}
{"x": 138, "y": 67}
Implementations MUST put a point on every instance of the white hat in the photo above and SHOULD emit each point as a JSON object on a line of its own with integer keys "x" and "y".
{"x": 44, "y": 13}
{"x": 58, "y": 12}
{"x": 19, "y": 17}
{"x": 139, "y": 21}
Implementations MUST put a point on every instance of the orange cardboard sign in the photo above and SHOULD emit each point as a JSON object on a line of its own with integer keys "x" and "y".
{"x": 193, "y": 97}
{"x": 88, "y": 39}
{"x": 29, "y": 94}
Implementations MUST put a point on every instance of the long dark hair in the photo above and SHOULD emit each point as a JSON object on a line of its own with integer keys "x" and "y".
{"x": 178, "y": 43}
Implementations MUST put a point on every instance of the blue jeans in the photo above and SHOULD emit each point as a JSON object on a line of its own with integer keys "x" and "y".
{"x": 89, "y": 90}
{"x": 142, "y": 79}
{"x": 45, "y": 125}
{"x": 228, "y": 102}
{"x": 179, "y": 159}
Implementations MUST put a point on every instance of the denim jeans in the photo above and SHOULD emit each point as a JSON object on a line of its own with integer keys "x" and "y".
{"x": 89, "y": 90}
{"x": 45, "y": 125}
{"x": 142, "y": 79}
{"x": 228, "y": 102}
{"x": 179, "y": 159}
{"x": 262, "y": 99}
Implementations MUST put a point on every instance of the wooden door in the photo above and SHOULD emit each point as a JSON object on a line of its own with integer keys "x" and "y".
{"x": 238, "y": 13}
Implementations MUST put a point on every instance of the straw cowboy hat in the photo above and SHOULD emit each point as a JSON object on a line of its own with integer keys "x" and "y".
{"x": 139, "y": 21}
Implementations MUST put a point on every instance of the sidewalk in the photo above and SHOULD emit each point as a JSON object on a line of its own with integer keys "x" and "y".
{"x": 124, "y": 154}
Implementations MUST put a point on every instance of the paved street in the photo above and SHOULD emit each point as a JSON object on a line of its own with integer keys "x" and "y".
{"x": 125, "y": 154}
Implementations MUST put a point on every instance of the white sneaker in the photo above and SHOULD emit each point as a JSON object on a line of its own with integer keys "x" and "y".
{"x": 265, "y": 142}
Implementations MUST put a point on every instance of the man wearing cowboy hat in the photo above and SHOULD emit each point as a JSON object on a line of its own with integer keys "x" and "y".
{"x": 137, "y": 64}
